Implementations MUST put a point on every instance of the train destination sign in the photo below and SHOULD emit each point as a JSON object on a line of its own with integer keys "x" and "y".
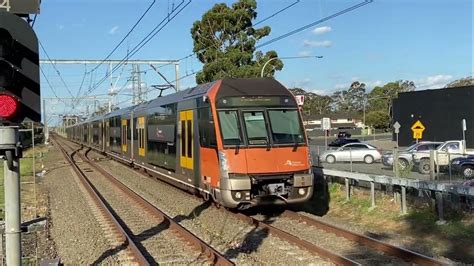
{"x": 256, "y": 101}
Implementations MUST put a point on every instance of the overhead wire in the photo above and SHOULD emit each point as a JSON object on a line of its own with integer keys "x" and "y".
{"x": 56, "y": 69}
{"x": 126, "y": 35}
{"x": 315, "y": 23}
{"x": 50, "y": 86}
{"x": 144, "y": 41}
{"x": 276, "y": 13}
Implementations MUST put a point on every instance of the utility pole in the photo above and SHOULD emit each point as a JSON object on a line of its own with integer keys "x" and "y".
{"x": 45, "y": 123}
{"x": 138, "y": 93}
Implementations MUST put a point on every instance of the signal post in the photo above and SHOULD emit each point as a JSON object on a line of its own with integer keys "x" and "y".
{"x": 19, "y": 100}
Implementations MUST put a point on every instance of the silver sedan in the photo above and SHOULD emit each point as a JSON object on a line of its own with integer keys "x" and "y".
{"x": 355, "y": 152}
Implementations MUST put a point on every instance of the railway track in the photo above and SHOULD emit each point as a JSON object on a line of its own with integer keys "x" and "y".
{"x": 127, "y": 216}
{"x": 359, "y": 248}
{"x": 294, "y": 228}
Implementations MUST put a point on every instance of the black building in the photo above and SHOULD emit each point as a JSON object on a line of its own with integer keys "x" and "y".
{"x": 441, "y": 111}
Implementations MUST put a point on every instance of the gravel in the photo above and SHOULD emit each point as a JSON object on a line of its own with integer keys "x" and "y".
{"x": 329, "y": 241}
{"x": 159, "y": 244}
{"x": 399, "y": 240}
{"x": 238, "y": 241}
{"x": 78, "y": 237}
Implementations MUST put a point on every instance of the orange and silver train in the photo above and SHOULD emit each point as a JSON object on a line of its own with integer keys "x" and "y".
{"x": 240, "y": 142}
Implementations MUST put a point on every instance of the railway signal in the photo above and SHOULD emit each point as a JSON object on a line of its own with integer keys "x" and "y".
{"x": 19, "y": 71}
{"x": 19, "y": 99}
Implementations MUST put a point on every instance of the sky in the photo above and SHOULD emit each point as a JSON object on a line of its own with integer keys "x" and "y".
{"x": 427, "y": 41}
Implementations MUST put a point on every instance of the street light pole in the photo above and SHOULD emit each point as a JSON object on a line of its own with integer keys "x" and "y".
{"x": 289, "y": 57}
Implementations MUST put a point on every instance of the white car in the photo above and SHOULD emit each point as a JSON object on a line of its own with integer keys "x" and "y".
{"x": 357, "y": 152}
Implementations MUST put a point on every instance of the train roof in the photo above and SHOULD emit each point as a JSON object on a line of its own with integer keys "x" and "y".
{"x": 229, "y": 87}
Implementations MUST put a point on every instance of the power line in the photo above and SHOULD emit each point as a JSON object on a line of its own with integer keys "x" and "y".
{"x": 57, "y": 71}
{"x": 50, "y": 86}
{"x": 144, "y": 41}
{"x": 315, "y": 23}
{"x": 276, "y": 13}
{"x": 126, "y": 36}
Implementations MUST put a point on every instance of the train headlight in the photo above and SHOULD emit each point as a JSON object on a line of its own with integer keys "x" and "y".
{"x": 238, "y": 195}
{"x": 301, "y": 191}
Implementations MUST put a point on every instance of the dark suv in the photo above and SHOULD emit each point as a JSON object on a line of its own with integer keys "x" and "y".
{"x": 342, "y": 142}
{"x": 464, "y": 165}
{"x": 343, "y": 135}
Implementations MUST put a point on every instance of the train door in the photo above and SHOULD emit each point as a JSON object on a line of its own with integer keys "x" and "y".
{"x": 186, "y": 139}
{"x": 124, "y": 135}
{"x": 141, "y": 136}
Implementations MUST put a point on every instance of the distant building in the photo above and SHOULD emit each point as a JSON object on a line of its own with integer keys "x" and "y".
{"x": 441, "y": 112}
{"x": 338, "y": 121}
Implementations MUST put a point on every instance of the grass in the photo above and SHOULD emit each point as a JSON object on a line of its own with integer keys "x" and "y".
{"x": 26, "y": 172}
{"x": 420, "y": 227}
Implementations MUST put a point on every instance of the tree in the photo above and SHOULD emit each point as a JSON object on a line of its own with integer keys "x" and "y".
{"x": 467, "y": 81}
{"x": 350, "y": 100}
{"x": 224, "y": 41}
{"x": 314, "y": 103}
{"x": 377, "y": 119}
{"x": 380, "y": 98}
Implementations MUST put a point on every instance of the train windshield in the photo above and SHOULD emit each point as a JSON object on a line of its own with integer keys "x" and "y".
{"x": 255, "y": 127}
{"x": 286, "y": 126}
{"x": 230, "y": 128}
{"x": 262, "y": 127}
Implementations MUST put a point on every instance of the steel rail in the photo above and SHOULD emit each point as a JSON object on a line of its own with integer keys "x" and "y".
{"x": 386, "y": 248}
{"x": 137, "y": 255}
{"x": 389, "y": 249}
{"x": 214, "y": 256}
{"x": 334, "y": 257}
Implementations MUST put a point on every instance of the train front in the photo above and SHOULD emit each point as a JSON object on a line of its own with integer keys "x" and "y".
{"x": 263, "y": 152}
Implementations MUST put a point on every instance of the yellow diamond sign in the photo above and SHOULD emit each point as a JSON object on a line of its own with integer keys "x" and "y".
{"x": 418, "y": 129}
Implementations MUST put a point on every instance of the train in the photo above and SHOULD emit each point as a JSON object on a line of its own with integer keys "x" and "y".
{"x": 238, "y": 142}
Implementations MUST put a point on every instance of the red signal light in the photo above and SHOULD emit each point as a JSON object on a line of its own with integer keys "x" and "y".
{"x": 8, "y": 106}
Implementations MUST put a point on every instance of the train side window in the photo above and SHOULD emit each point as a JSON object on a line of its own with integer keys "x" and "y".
{"x": 207, "y": 131}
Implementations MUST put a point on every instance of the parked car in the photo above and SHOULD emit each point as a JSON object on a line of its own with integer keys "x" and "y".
{"x": 357, "y": 152}
{"x": 405, "y": 157}
{"x": 445, "y": 153}
{"x": 343, "y": 135}
{"x": 342, "y": 142}
{"x": 464, "y": 166}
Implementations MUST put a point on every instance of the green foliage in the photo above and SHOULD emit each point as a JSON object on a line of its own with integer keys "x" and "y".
{"x": 225, "y": 40}
{"x": 467, "y": 81}
{"x": 350, "y": 100}
{"x": 314, "y": 103}
{"x": 377, "y": 119}
{"x": 380, "y": 102}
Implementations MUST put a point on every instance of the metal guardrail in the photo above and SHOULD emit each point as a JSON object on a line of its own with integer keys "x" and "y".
{"x": 406, "y": 182}
{"x": 438, "y": 188}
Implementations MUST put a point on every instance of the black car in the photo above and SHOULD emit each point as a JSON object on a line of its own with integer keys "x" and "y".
{"x": 464, "y": 166}
{"x": 342, "y": 141}
{"x": 343, "y": 135}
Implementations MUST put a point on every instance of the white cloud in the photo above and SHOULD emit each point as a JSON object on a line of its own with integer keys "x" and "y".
{"x": 369, "y": 85}
{"x": 372, "y": 84}
{"x": 301, "y": 83}
{"x": 317, "y": 43}
{"x": 60, "y": 26}
{"x": 321, "y": 92}
{"x": 433, "y": 82}
{"x": 322, "y": 30}
{"x": 113, "y": 30}
{"x": 304, "y": 53}
{"x": 342, "y": 86}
